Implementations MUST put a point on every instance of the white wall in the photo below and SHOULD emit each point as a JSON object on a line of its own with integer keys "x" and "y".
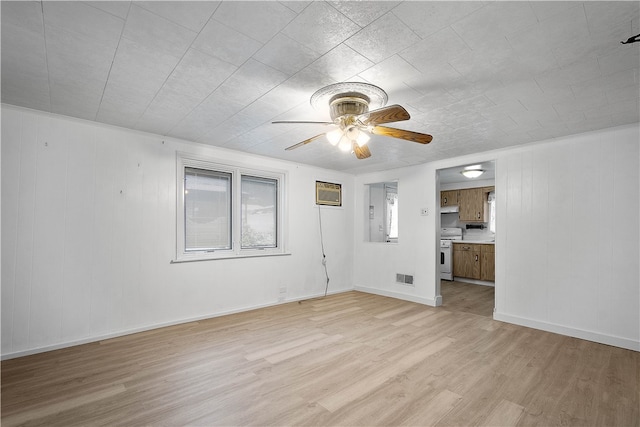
{"x": 376, "y": 264}
{"x": 562, "y": 264}
{"x": 89, "y": 230}
{"x": 568, "y": 236}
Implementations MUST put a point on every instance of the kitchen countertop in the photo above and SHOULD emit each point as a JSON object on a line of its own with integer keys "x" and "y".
{"x": 475, "y": 242}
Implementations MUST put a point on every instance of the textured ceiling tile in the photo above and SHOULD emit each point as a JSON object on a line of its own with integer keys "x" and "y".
{"x": 71, "y": 100}
{"x": 512, "y": 90}
{"x": 25, "y": 91}
{"x": 140, "y": 69}
{"x": 221, "y": 41}
{"x": 622, "y": 94}
{"x": 341, "y": 63}
{"x": 304, "y": 112}
{"x": 364, "y": 13}
{"x": 213, "y": 111}
{"x": 157, "y": 33}
{"x": 391, "y": 72}
{"x": 259, "y": 111}
{"x": 121, "y": 105}
{"x": 383, "y": 38}
{"x": 429, "y": 17}
{"x": 285, "y": 54}
{"x": 320, "y": 27}
{"x": 497, "y": 61}
{"x": 574, "y": 73}
{"x": 401, "y": 93}
{"x": 494, "y": 21}
{"x": 74, "y": 59}
{"x": 116, "y": 114}
{"x": 25, "y": 81}
{"x": 190, "y": 14}
{"x": 22, "y": 15}
{"x": 250, "y": 82}
{"x": 115, "y": 8}
{"x": 436, "y": 98}
{"x": 553, "y": 43}
{"x": 548, "y": 9}
{"x": 260, "y": 20}
{"x": 441, "y": 47}
{"x": 84, "y": 20}
{"x": 620, "y": 58}
{"x": 226, "y": 132}
{"x": 167, "y": 109}
{"x": 297, "y": 90}
{"x": 198, "y": 74}
{"x": 296, "y": 6}
{"x": 611, "y": 22}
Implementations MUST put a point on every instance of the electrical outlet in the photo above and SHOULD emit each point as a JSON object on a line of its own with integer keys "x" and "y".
{"x": 283, "y": 289}
{"x": 424, "y": 211}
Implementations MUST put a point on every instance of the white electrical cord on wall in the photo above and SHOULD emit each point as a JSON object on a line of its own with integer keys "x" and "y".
{"x": 324, "y": 256}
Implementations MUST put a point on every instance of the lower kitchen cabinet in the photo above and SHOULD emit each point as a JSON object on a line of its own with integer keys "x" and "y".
{"x": 474, "y": 261}
{"x": 488, "y": 263}
{"x": 466, "y": 260}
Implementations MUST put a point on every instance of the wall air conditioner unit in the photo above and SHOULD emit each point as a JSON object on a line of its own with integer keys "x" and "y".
{"x": 328, "y": 194}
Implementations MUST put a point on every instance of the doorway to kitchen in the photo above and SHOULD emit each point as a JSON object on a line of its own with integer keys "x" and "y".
{"x": 467, "y": 219}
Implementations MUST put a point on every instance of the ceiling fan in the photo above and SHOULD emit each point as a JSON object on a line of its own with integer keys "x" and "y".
{"x": 349, "y": 104}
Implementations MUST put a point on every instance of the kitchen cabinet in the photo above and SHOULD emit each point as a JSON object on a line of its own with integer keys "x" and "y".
{"x": 473, "y": 203}
{"x": 466, "y": 260}
{"x": 449, "y": 198}
{"x": 487, "y": 263}
{"x": 474, "y": 261}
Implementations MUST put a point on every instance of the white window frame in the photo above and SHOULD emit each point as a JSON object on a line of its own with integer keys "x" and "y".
{"x": 237, "y": 170}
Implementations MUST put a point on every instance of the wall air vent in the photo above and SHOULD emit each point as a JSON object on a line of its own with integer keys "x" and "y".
{"x": 405, "y": 279}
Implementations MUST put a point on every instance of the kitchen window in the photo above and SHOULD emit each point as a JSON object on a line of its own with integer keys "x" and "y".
{"x": 492, "y": 211}
{"x": 228, "y": 210}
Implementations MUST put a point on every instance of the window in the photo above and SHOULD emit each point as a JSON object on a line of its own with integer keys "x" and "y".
{"x": 259, "y": 213}
{"x": 207, "y": 210}
{"x": 228, "y": 211}
{"x": 382, "y": 202}
{"x": 492, "y": 211}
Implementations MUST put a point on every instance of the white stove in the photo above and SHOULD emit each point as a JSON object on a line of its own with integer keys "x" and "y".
{"x": 447, "y": 235}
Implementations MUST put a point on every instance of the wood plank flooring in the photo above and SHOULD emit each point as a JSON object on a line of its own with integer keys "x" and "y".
{"x": 347, "y": 359}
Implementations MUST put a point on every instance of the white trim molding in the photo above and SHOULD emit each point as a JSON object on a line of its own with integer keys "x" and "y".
{"x": 402, "y": 296}
{"x": 568, "y": 331}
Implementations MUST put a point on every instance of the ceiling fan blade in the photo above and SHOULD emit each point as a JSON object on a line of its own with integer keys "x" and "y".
{"x": 421, "y": 138}
{"x": 306, "y": 141}
{"x": 302, "y": 122}
{"x": 361, "y": 152}
{"x": 392, "y": 113}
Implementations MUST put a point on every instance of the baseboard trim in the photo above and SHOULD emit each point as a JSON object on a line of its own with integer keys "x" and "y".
{"x": 123, "y": 333}
{"x": 399, "y": 295}
{"x": 568, "y": 331}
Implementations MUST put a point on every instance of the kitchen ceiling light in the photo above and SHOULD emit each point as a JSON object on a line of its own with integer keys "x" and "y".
{"x": 472, "y": 173}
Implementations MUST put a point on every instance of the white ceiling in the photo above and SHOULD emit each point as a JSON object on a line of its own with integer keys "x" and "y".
{"x": 475, "y": 75}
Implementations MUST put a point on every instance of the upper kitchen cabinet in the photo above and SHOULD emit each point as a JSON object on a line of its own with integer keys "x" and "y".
{"x": 449, "y": 198}
{"x": 473, "y": 204}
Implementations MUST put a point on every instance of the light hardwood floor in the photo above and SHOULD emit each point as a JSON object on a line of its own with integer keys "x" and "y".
{"x": 347, "y": 359}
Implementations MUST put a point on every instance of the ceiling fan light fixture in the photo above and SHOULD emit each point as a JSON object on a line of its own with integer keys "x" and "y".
{"x": 334, "y": 136}
{"x": 345, "y": 144}
{"x": 362, "y": 139}
{"x": 472, "y": 173}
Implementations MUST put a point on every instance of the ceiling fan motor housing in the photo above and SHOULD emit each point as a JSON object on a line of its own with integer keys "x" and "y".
{"x": 348, "y": 104}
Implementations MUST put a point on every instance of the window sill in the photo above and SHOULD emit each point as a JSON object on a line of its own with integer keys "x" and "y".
{"x": 228, "y": 256}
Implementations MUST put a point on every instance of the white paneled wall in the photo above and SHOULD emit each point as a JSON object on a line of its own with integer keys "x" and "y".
{"x": 88, "y": 233}
{"x": 568, "y": 236}
{"x": 567, "y": 239}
